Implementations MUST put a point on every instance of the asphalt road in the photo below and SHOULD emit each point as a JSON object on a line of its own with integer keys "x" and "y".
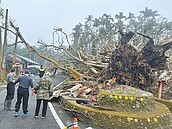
{"x": 8, "y": 121}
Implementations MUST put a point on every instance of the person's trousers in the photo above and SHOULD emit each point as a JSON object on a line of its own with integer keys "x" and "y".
{"x": 7, "y": 104}
{"x": 9, "y": 96}
{"x": 44, "y": 109}
{"x": 22, "y": 96}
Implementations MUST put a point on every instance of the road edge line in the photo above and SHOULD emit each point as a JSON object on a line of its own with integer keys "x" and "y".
{"x": 56, "y": 117}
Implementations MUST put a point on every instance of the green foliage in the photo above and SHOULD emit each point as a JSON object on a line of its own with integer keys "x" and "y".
{"x": 1, "y": 12}
{"x": 97, "y": 33}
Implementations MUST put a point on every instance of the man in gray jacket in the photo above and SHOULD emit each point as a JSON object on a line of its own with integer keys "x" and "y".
{"x": 10, "y": 91}
{"x": 23, "y": 93}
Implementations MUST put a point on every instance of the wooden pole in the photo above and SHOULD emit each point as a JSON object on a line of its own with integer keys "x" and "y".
{"x": 160, "y": 90}
{"x": 5, "y": 37}
{"x": 0, "y": 55}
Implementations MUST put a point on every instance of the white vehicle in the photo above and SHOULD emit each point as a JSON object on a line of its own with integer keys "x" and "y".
{"x": 33, "y": 69}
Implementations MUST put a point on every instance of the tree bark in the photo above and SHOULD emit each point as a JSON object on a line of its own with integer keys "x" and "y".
{"x": 15, "y": 47}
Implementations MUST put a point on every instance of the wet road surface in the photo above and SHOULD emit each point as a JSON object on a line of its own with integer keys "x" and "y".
{"x": 8, "y": 121}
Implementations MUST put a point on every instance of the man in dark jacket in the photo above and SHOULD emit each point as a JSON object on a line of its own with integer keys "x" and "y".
{"x": 23, "y": 93}
{"x": 10, "y": 90}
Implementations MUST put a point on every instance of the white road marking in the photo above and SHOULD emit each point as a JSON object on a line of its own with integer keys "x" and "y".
{"x": 56, "y": 117}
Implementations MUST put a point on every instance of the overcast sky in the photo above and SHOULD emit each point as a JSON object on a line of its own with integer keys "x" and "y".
{"x": 38, "y": 18}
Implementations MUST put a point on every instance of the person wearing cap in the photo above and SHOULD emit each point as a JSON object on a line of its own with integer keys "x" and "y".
{"x": 41, "y": 71}
{"x": 44, "y": 89}
{"x": 10, "y": 90}
{"x": 25, "y": 82}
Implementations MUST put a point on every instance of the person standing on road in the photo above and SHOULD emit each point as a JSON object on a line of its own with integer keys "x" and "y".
{"x": 43, "y": 89}
{"x": 23, "y": 93}
{"x": 41, "y": 71}
{"x": 10, "y": 90}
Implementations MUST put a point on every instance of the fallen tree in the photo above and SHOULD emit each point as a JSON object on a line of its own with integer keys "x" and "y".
{"x": 79, "y": 57}
{"x": 137, "y": 68}
{"x": 126, "y": 64}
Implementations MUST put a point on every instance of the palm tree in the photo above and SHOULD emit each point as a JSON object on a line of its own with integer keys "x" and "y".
{"x": 148, "y": 13}
{"x": 120, "y": 21}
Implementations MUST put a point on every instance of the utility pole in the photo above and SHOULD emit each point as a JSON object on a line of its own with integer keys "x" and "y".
{"x": 5, "y": 37}
{"x": 0, "y": 55}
